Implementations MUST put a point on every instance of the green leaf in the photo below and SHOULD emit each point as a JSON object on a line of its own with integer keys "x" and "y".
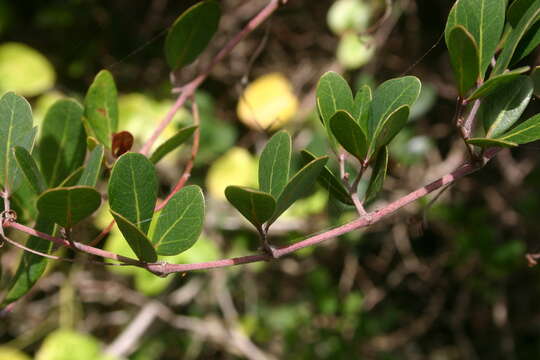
{"x": 133, "y": 189}
{"x": 464, "y": 58}
{"x": 15, "y": 130}
{"x": 31, "y": 266}
{"x": 91, "y": 172}
{"x": 333, "y": 94}
{"x": 496, "y": 82}
{"x": 101, "y": 107}
{"x": 389, "y": 96}
{"x": 535, "y": 76}
{"x": 516, "y": 10}
{"x": 526, "y": 132}
{"x": 349, "y": 134}
{"x": 360, "y": 111}
{"x": 390, "y": 128}
{"x": 513, "y": 40}
{"x": 328, "y": 180}
{"x": 500, "y": 110}
{"x": 137, "y": 240}
{"x": 64, "y": 344}
{"x": 527, "y": 44}
{"x": 484, "y": 21}
{"x": 256, "y": 206}
{"x": 298, "y": 186}
{"x": 378, "y": 175}
{"x": 172, "y": 143}
{"x": 67, "y": 206}
{"x": 191, "y": 33}
{"x": 274, "y": 164}
{"x": 485, "y": 142}
{"x": 62, "y": 144}
{"x": 73, "y": 178}
{"x": 29, "y": 169}
{"x": 180, "y": 222}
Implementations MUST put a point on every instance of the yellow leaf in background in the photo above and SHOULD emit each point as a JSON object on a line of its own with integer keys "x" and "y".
{"x": 9, "y": 353}
{"x": 236, "y": 167}
{"x": 267, "y": 103}
{"x": 24, "y": 70}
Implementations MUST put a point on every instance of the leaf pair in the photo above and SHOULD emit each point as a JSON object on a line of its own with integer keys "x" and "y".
{"x": 367, "y": 123}
{"x": 132, "y": 197}
{"x": 277, "y": 191}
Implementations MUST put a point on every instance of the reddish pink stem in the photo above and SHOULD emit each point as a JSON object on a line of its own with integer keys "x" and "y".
{"x": 189, "y": 89}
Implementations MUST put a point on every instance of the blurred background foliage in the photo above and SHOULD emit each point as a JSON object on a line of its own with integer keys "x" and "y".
{"x": 444, "y": 279}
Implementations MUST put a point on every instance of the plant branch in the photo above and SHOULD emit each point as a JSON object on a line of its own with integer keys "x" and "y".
{"x": 188, "y": 90}
{"x": 189, "y": 166}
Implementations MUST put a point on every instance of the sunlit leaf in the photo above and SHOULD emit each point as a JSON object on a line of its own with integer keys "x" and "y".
{"x": 502, "y": 108}
{"x": 133, "y": 189}
{"x": 101, "y": 107}
{"x": 180, "y": 222}
{"x": 92, "y": 170}
{"x": 274, "y": 164}
{"x": 191, "y": 33}
{"x": 486, "y": 142}
{"x": 30, "y": 170}
{"x": 172, "y": 143}
{"x": 496, "y": 82}
{"x": 527, "y": 131}
{"x": 256, "y": 206}
{"x": 62, "y": 143}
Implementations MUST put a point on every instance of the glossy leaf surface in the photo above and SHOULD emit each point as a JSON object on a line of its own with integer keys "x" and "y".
{"x": 191, "y": 33}
{"x": 67, "y": 206}
{"x": 527, "y": 131}
{"x": 133, "y": 189}
{"x": 62, "y": 143}
{"x": 464, "y": 58}
{"x": 136, "y": 239}
{"x": 274, "y": 164}
{"x": 172, "y": 143}
{"x": 15, "y": 130}
{"x": 496, "y": 82}
{"x": 92, "y": 170}
{"x": 101, "y": 107}
{"x": 299, "y": 185}
{"x": 256, "y": 206}
{"x": 486, "y": 142}
{"x": 329, "y": 181}
{"x": 180, "y": 222}
{"x": 30, "y": 170}
{"x": 500, "y": 110}
{"x": 349, "y": 134}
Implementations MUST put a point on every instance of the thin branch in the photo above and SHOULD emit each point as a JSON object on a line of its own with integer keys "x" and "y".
{"x": 189, "y": 89}
{"x": 189, "y": 166}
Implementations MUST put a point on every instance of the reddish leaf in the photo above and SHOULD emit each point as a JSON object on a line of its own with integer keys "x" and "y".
{"x": 121, "y": 143}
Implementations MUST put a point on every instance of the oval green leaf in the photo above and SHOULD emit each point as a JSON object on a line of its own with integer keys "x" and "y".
{"x": 274, "y": 164}
{"x": 484, "y": 21}
{"x": 172, "y": 143}
{"x": 378, "y": 175}
{"x": 298, "y": 186}
{"x": 191, "y": 33}
{"x": 526, "y": 132}
{"x": 256, "y": 206}
{"x": 92, "y": 170}
{"x": 389, "y": 128}
{"x": 137, "y": 240}
{"x": 101, "y": 107}
{"x": 62, "y": 143}
{"x": 535, "y": 76}
{"x": 30, "y": 170}
{"x": 15, "y": 130}
{"x": 328, "y": 180}
{"x": 67, "y": 206}
{"x": 464, "y": 58}
{"x": 31, "y": 266}
{"x": 500, "y": 110}
{"x": 360, "y": 111}
{"x": 349, "y": 134}
{"x": 527, "y": 44}
{"x": 73, "y": 178}
{"x": 485, "y": 142}
{"x": 513, "y": 40}
{"x": 389, "y": 96}
{"x": 133, "y": 189}
{"x": 180, "y": 222}
{"x": 496, "y": 82}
